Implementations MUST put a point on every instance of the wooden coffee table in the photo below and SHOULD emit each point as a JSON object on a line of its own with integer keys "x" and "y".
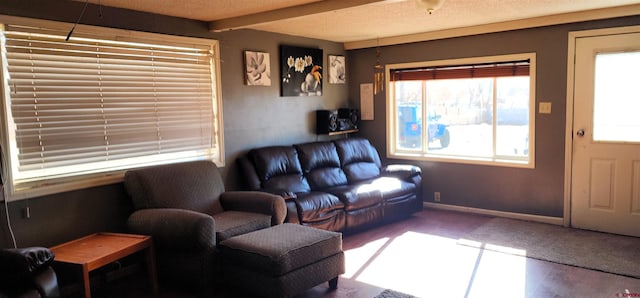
{"x": 96, "y": 250}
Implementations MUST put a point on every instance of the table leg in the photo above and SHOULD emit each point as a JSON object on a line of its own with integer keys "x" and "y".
{"x": 151, "y": 267}
{"x": 86, "y": 281}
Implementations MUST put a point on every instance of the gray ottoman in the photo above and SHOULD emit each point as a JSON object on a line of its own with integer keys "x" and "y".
{"x": 283, "y": 260}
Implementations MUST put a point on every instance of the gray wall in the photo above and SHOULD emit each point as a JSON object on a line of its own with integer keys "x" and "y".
{"x": 536, "y": 191}
{"x": 253, "y": 116}
{"x": 256, "y": 116}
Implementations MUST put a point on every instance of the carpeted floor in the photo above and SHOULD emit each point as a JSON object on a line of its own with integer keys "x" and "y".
{"x": 593, "y": 250}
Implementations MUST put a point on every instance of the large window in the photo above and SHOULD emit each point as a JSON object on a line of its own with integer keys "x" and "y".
{"x": 477, "y": 110}
{"x": 79, "y": 112}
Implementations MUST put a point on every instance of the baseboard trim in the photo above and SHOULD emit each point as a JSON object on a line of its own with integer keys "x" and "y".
{"x": 522, "y": 216}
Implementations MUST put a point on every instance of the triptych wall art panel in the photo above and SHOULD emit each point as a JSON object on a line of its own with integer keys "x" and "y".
{"x": 258, "y": 68}
{"x": 337, "y": 74}
{"x": 301, "y": 70}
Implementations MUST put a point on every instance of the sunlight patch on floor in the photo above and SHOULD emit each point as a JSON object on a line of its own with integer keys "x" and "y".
{"x": 499, "y": 275}
{"x": 498, "y": 248}
{"x": 426, "y": 265}
{"x": 400, "y": 265}
{"x": 357, "y": 259}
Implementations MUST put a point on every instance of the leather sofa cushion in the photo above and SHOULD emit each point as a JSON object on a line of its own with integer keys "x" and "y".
{"x": 358, "y": 220}
{"x": 393, "y": 188}
{"x": 357, "y": 196}
{"x": 317, "y": 206}
{"x": 360, "y": 171}
{"x": 360, "y": 161}
{"x": 322, "y": 178}
{"x": 373, "y": 192}
{"x": 286, "y": 184}
{"x": 321, "y": 165}
{"x": 278, "y": 167}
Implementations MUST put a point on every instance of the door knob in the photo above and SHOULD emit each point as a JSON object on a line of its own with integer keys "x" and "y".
{"x": 580, "y": 133}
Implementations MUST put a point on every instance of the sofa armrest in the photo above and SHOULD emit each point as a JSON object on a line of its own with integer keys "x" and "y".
{"x": 292, "y": 212}
{"x": 24, "y": 263}
{"x": 47, "y": 283}
{"x": 290, "y": 201}
{"x": 249, "y": 172}
{"x": 285, "y": 194}
{"x": 404, "y": 172}
{"x": 175, "y": 229}
{"x": 256, "y": 201}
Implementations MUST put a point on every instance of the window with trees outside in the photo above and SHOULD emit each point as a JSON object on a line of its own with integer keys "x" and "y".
{"x": 474, "y": 110}
{"x": 78, "y": 112}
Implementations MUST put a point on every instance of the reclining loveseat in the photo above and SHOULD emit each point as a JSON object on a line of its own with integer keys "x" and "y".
{"x": 337, "y": 185}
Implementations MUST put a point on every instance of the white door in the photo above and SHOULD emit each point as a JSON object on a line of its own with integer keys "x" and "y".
{"x": 605, "y": 187}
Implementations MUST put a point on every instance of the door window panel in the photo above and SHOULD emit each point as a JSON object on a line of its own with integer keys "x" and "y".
{"x": 616, "y": 97}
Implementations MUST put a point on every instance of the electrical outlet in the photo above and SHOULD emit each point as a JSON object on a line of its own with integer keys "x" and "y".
{"x": 436, "y": 196}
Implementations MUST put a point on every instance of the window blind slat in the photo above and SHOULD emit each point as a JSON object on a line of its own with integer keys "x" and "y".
{"x": 26, "y": 54}
{"x": 58, "y": 45}
{"x": 63, "y": 73}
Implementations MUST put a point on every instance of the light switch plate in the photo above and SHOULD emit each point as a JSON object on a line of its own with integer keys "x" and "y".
{"x": 544, "y": 108}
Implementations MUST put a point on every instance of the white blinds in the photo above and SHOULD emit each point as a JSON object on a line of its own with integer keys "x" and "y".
{"x": 90, "y": 105}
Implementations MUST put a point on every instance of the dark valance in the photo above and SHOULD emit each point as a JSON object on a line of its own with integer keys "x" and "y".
{"x": 481, "y": 70}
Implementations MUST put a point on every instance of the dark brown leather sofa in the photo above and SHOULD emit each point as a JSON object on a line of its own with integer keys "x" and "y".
{"x": 337, "y": 185}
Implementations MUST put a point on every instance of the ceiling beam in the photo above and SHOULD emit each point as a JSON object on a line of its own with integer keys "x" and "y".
{"x": 285, "y": 13}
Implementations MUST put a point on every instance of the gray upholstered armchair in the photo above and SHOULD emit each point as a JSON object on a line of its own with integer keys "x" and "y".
{"x": 186, "y": 210}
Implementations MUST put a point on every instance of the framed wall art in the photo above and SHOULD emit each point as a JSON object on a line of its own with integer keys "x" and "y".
{"x": 301, "y": 70}
{"x": 257, "y": 68}
{"x": 337, "y": 73}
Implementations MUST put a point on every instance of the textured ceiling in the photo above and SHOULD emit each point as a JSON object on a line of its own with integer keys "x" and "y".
{"x": 203, "y": 10}
{"x": 376, "y": 19}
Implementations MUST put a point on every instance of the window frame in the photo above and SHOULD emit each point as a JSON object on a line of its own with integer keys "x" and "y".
{"x": 391, "y": 124}
{"x": 106, "y": 176}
